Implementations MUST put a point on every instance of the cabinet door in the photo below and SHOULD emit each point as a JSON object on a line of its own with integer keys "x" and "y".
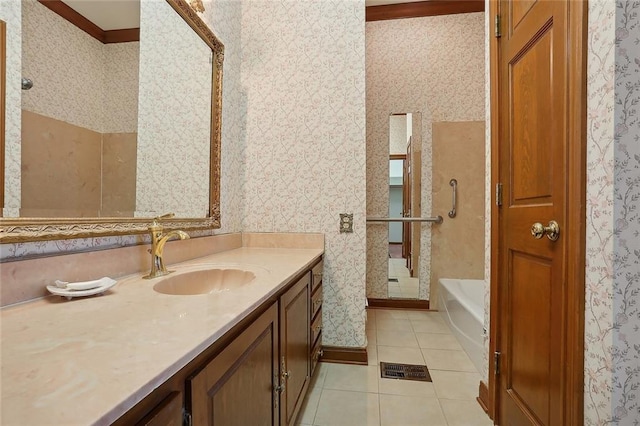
{"x": 294, "y": 347}
{"x": 167, "y": 413}
{"x": 239, "y": 386}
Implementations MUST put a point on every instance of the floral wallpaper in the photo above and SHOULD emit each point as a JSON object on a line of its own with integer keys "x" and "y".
{"x": 11, "y": 13}
{"x": 600, "y": 169}
{"x": 625, "y": 398}
{"x": 303, "y": 66}
{"x": 31, "y": 249}
{"x": 66, "y": 75}
{"x": 484, "y": 374}
{"x": 174, "y": 115}
{"x": 224, "y": 17}
{"x": 442, "y": 80}
{"x": 77, "y": 79}
{"x": 399, "y": 133}
{"x": 120, "y": 93}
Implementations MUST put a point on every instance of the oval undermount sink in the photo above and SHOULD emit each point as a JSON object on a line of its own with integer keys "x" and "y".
{"x": 206, "y": 281}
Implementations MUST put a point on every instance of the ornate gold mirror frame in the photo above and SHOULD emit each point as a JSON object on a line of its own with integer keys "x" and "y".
{"x": 41, "y": 229}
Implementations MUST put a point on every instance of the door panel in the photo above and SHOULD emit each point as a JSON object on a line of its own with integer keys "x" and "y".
{"x": 255, "y": 372}
{"x": 531, "y": 82}
{"x": 295, "y": 336}
{"x": 530, "y": 348}
{"x": 519, "y": 9}
{"x": 245, "y": 372}
{"x": 533, "y": 169}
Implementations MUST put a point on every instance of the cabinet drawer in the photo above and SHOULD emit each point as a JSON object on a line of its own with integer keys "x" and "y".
{"x": 316, "y": 275}
{"x": 316, "y": 301}
{"x": 316, "y": 327}
{"x": 316, "y": 354}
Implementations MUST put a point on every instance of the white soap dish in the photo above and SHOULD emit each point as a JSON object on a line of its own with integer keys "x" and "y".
{"x": 86, "y": 288}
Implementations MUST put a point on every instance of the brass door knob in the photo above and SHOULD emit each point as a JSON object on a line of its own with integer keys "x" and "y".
{"x": 552, "y": 231}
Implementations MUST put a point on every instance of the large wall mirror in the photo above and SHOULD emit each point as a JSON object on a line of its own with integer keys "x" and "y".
{"x": 119, "y": 120}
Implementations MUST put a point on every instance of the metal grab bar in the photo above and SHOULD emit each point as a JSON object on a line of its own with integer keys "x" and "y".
{"x": 437, "y": 219}
{"x": 454, "y": 184}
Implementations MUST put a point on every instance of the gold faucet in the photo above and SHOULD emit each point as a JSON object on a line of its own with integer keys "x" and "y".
{"x": 158, "y": 240}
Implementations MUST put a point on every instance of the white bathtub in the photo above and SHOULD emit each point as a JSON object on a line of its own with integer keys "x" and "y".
{"x": 461, "y": 305}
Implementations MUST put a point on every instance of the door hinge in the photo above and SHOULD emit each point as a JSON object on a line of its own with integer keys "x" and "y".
{"x": 496, "y": 363}
{"x": 498, "y": 194}
{"x": 497, "y": 21}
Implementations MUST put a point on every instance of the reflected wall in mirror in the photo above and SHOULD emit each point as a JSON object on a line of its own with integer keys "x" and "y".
{"x": 105, "y": 137}
{"x": 175, "y": 116}
{"x": 79, "y": 120}
{"x": 405, "y": 165}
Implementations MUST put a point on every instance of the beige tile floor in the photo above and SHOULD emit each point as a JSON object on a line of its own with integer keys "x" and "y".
{"x": 406, "y": 287}
{"x": 355, "y": 395}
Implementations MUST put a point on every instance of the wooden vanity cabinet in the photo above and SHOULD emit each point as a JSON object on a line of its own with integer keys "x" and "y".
{"x": 315, "y": 317}
{"x": 240, "y": 385}
{"x": 257, "y": 374}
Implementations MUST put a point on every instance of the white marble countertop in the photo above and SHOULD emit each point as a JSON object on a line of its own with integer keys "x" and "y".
{"x": 89, "y": 360}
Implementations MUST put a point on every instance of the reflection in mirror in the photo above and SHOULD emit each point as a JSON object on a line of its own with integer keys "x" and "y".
{"x": 175, "y": 116}
{"x": 79, "y": 120}
{"x": 405, "y": 152}
{"x": 100, "y": 144}
{"x": 82, "y": 154}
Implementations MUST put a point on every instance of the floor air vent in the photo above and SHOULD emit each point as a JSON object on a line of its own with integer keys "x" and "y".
{"x": 391, "y": 370}
{"x": 393, "y": 280}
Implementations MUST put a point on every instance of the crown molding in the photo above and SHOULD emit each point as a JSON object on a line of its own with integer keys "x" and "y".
{"x": 422, "y": 8}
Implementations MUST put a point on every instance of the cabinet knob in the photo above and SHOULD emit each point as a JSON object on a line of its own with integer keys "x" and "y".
{"x": 286, "y": 374}
{"x": 318, "y": 328}
{"x": 280, "y": 388}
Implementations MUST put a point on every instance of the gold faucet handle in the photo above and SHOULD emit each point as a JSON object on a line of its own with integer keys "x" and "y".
{"x": 157, "y": 219}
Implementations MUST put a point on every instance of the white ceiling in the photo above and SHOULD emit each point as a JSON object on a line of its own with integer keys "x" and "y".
{"x": 109, "y": 14}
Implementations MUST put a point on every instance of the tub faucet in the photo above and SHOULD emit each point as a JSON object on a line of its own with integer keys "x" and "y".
{"x": 158, "y": 240}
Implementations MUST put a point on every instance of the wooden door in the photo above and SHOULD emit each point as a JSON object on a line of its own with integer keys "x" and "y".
{"x": 534, "y": 317}
{"x": 406, "y": 208}
{"x": 240, "y": 385}
{"x": 415, "y": 193}
{"x": 295, "y": 337}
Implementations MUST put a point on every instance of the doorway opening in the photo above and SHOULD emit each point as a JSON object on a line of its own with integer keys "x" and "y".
{"x": 403, "y": 284}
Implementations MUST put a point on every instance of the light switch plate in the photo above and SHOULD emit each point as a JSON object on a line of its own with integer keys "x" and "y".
{"x": 346, "y": 222}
